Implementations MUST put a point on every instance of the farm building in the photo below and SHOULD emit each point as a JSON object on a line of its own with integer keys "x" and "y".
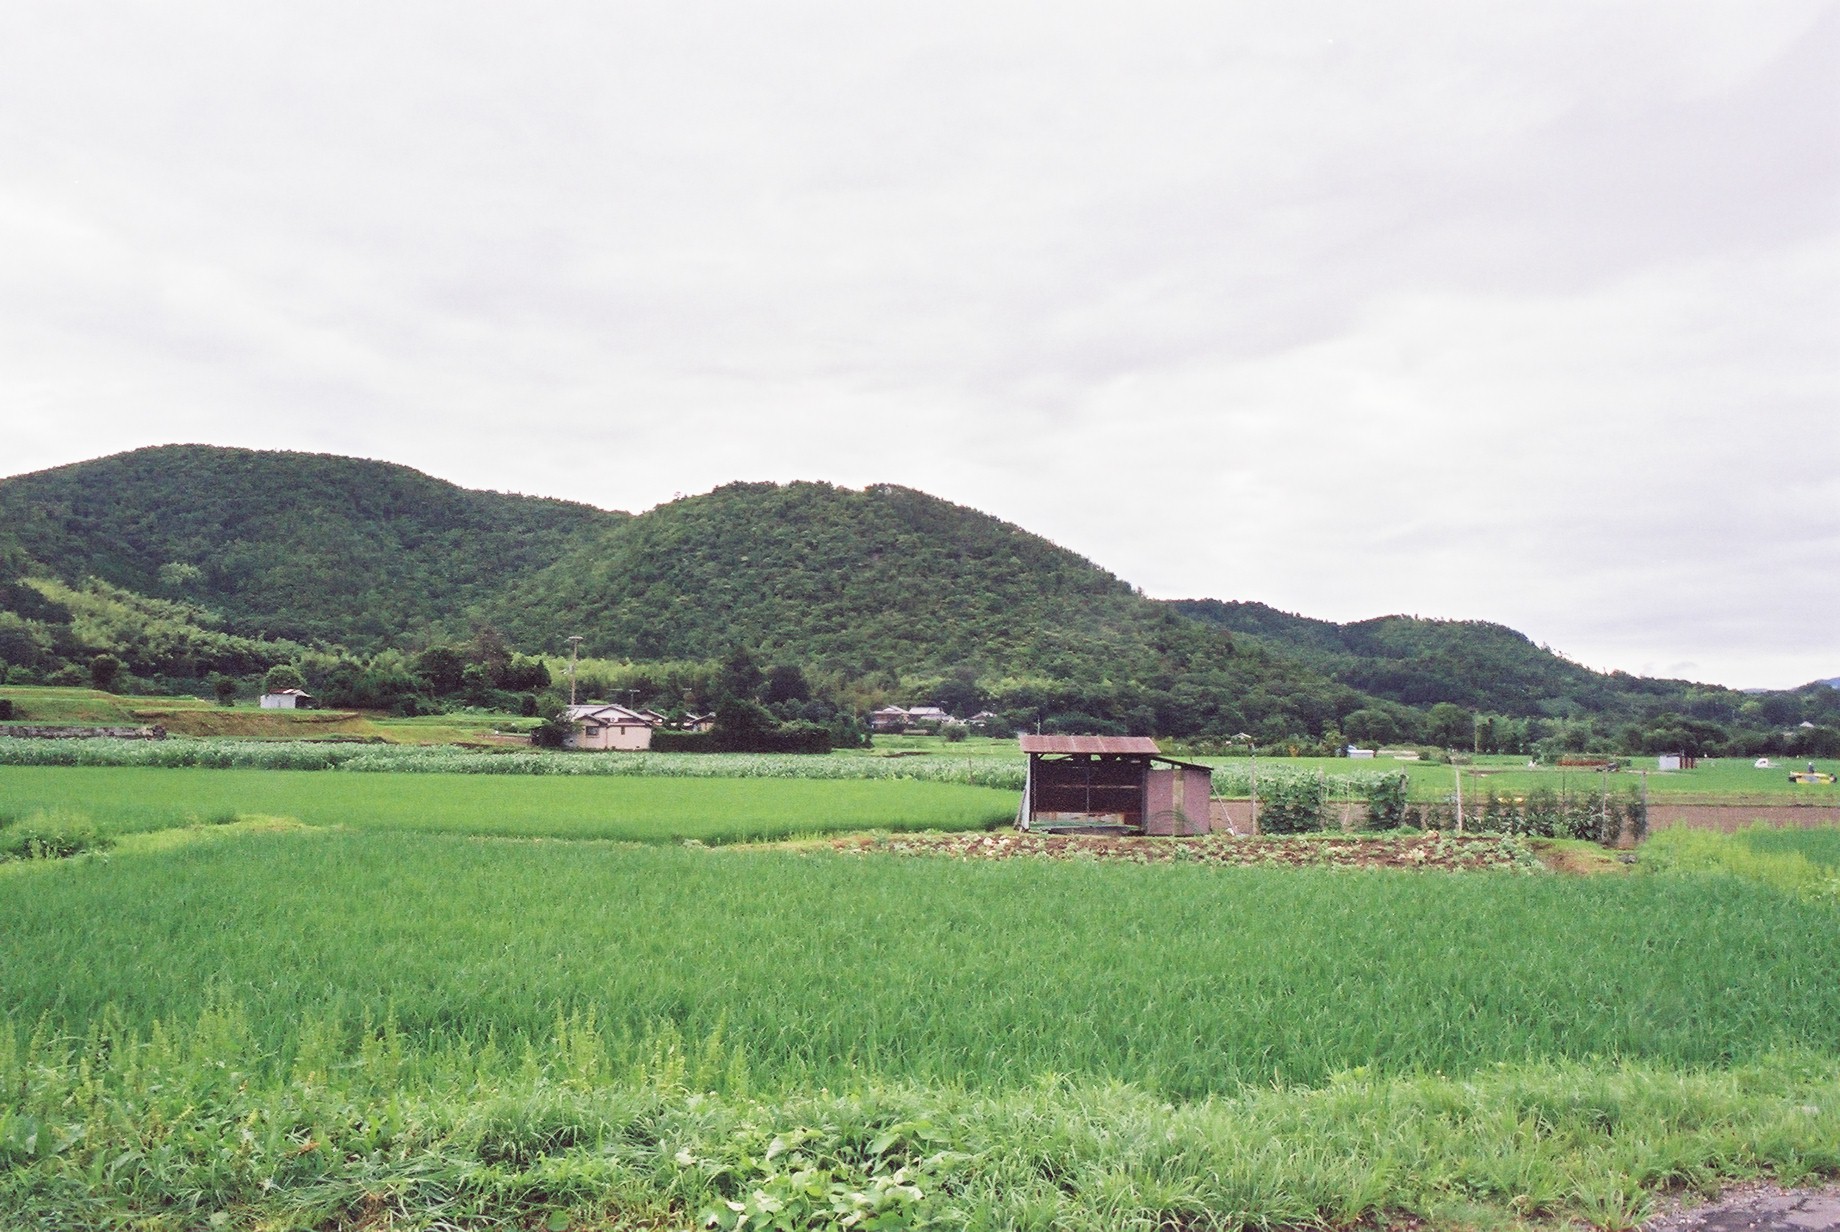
{"x": 602, "y": 726}
{"x": 895, "y": 718}
{"x": 287, "y": 699}
{"x": 1080, "y": 781}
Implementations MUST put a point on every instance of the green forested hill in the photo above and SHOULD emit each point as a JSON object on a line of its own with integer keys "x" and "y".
{"x": 186, "y": 560}
{"x": 901, "y": 589}
{"x": 884, "y": 580}
{"x": 1421, "y": 662}
{"x": 302, "y": 546}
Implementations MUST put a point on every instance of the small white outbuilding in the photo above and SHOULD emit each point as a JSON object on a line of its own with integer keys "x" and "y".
{"x": 288, "y": 699}
{"x": 599, "y": 726}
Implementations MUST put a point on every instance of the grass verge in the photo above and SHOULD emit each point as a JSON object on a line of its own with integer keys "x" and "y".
{"x": 171, "y": 1130}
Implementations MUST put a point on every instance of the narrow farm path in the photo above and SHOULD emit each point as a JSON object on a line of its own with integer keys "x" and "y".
{"x": 1757, "y": 1208}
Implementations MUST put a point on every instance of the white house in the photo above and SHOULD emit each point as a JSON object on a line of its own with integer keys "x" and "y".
{"x": 930, "y": 716}
{"x": 888, "y": 718}
{"x": 606, "y": 726}
{"x": 288, "y": 699}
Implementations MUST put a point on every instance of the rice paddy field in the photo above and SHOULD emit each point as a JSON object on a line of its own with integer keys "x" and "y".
{"x": 291, "y": 999}
{"x": 205, "y": 719}
{"x": 638, "y": 809}
{"x": 1714, "y": 780}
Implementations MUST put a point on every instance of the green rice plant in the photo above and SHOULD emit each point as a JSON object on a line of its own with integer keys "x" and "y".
{"x": 656, "y": 809}
{"x": 1182, "y": 979}
{"x": 338, "y": 1027}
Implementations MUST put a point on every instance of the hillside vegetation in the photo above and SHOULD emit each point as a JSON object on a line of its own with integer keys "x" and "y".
{"x": 388, "y": 587}
{"x": 306, "y": 547}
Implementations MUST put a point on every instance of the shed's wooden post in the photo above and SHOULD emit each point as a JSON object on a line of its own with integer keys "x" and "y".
{"x": 1458, "y": 771}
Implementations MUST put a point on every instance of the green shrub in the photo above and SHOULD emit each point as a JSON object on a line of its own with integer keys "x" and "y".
{"x": 683, "y": 742}
{"x": 1386, "y": 803}
{"x": 1540, "y": 815}
{"x": 1293, "y": 804}
{"x": 50, "y": 834}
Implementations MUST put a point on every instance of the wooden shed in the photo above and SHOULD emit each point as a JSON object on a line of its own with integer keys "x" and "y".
{"x": 1079, "y": 782}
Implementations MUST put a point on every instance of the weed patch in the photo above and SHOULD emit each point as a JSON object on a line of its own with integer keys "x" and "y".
{"x": 50, "y": 834}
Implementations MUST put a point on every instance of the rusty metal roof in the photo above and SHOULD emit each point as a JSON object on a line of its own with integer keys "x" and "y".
{"x": 1140, "y": 745}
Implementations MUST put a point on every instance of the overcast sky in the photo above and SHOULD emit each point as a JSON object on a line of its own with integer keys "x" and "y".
{"x": 1528, "y": 313}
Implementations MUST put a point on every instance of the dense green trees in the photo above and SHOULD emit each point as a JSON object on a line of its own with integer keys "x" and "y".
{"x": 104, "y": 670}
{"x": 292, "y": 545}
{"x": 392, "y": 589}
{"x": 283, "y": 676}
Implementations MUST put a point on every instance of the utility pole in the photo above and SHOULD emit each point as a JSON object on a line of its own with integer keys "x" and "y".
{"x": 574, "y": 646}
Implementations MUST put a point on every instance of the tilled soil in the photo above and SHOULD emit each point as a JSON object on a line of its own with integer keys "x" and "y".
{"x": 1448, "y": 853}
{"x": 1730, "y": 817}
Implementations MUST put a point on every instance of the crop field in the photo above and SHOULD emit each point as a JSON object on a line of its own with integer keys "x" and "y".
{"x": 1715, "y": 780}
{"x": 327, "y": 1000}
{"x": 198, "y": 717}
{"x": 123, "y": 800}
{"x": 818, "y": 968}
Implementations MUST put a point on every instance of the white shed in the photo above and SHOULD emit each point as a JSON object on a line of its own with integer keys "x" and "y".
{"x": 608, "y": 727}
{"x": 288, "y": 699}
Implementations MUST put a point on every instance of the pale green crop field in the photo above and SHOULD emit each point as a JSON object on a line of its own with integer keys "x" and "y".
{"x": 1713, "y": 780}
{"x": 124, "y": 800}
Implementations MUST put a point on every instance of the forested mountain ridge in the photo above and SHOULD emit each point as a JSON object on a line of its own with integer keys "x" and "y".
{"x": 1420, "y": 662}
{"x": 311, "y": 547}
{"x": 185, "y": 561}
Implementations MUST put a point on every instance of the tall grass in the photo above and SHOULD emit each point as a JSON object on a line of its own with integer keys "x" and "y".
{"x": 126, "y": 800}
{"x": 820, "y": 970}
{"x": 179, "y": 1131}
{"x": 176, "y": 1131}
{"x": 1802, "y": 862}
{"x": 1819, "y": 845}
